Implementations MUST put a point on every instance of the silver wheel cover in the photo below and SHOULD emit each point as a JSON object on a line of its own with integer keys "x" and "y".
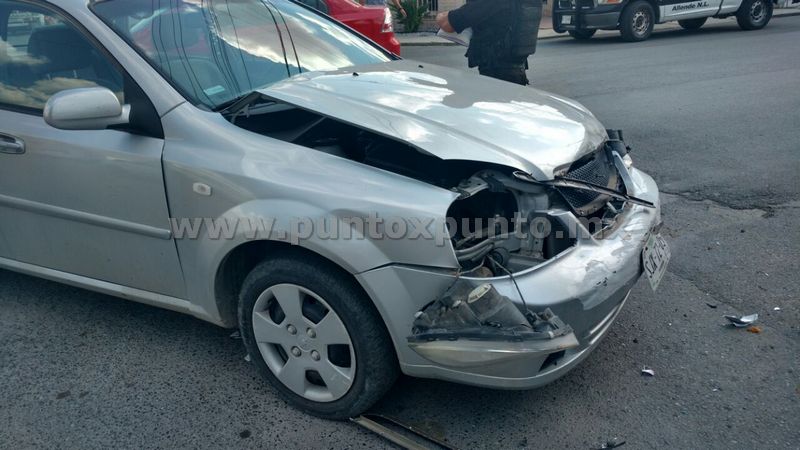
{"x": 304, "y": 346}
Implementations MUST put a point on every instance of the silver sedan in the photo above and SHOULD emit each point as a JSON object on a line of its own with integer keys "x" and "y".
{"x": 257, "y": 165}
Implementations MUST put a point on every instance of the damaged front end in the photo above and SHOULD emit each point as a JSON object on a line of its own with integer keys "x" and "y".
{"x": 546, "y": 240}
{"x": 529, "y": 225}
{"x": 504, "y": 223}
{"x": 473, "y": 326}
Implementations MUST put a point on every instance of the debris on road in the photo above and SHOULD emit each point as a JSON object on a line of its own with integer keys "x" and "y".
{"x": 405, "y": 436}
{"x": 777, "y": 308}
{"x": 711, "y": 305}
{"x": 741, "y": 322}
{"x": 648, "y": 371}
{"x": 236, "y": 335}
{"x": 754, "y": 329}
{"x": 612, "y": 443}
{"x": 247, "y": 358}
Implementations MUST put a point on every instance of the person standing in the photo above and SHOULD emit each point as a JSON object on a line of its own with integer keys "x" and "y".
{"x": 504, "y": 35}
{"x": 396, "y": 4}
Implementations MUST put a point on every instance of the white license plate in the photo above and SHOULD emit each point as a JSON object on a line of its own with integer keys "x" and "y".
{"x": 566, "y": 20}
{"x": 655, "y": 258}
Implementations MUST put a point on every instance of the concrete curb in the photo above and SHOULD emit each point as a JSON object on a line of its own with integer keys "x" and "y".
{"x": 445, "y": 43}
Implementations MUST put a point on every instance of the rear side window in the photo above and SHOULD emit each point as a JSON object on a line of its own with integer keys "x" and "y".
{"x": 41, "y": 54}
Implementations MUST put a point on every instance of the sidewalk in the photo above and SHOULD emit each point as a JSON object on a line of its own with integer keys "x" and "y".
{"x": 546, "y": 30}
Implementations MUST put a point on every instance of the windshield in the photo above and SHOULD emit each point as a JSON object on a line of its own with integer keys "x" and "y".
{"x": 215, "y": 51}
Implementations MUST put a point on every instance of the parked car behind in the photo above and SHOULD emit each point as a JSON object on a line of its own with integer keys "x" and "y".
{"x": 371, "y": 21}
{"x": 635, "y": 19}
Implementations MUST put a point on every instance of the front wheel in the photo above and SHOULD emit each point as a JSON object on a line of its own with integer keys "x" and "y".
{"x": 754, "y": 14}
{"x": 692, "y": 24}
{"x": 637, "y": 21}
{"x": 315, "y": 336}
{"x": 582, "y": 35}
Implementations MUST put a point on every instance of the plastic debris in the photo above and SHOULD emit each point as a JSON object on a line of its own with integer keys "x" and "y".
{"x": 612, "y": 443}
{"x": 236, "y": 335}
{"x": 648, "y": 371}
{"x": 777, "y": 308}
{"x": 741, "y": 322}
{"x": 247, "y": 358}
{"x": 754, "y": 329}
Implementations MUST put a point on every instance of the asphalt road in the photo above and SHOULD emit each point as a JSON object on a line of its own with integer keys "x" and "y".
{"x": 713, "y": 115}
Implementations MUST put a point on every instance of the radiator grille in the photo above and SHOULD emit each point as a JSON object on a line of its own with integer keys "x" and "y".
{"x": 595, "y": 169}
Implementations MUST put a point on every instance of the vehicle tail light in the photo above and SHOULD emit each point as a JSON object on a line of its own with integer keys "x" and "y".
{"x": 387, "y": 26}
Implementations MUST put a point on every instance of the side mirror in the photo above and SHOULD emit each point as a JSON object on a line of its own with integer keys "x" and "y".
{"x": 94, "y": 108}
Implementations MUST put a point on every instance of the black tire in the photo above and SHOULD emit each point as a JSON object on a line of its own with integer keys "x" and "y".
{"x": 754, "y": 14}
{"x": 376, "y": 367}
{"x": 692, "y": 24}
{"x": 583, "y": 34}
{"x": 637, "y": 21}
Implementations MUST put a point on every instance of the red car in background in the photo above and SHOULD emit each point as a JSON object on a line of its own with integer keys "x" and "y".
{"x": 374, "y": 22}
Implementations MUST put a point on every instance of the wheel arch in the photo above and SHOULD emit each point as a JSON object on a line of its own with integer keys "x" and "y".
{"x": 656, "y": 10}
{"x": 240, "y": 261}
{"x": 232, "y": 271}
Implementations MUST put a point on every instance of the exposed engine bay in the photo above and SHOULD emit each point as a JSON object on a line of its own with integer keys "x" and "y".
{"x": 502, "y": 222}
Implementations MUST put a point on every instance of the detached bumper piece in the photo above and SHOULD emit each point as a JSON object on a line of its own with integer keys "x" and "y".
{"x": 472, "y": 326}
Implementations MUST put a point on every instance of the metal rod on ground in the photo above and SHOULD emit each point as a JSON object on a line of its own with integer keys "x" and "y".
{"x": 371, "y": 423}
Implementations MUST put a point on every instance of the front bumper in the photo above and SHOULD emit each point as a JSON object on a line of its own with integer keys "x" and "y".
{"x": 605, "y": 17}
{"x": 585, "y": 286}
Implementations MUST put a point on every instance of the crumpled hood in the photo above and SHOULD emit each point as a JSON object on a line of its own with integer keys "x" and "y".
{"x": 451, "y": 114}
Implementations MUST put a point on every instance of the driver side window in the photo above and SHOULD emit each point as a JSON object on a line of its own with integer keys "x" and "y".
{"x": 41, "y": 54}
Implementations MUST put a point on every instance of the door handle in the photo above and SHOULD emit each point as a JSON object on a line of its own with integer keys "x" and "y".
{"x": 11, "y": 145}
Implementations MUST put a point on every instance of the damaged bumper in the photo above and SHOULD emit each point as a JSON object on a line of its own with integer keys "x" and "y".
{"x": 474, "y": 326}
{"x": 576, "y": 294}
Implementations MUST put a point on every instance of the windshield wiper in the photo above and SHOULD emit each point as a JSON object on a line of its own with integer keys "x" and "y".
{"x": 236, "y": 105}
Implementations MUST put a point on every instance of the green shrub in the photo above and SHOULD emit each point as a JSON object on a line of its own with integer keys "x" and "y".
{"x": 415, "y": 11}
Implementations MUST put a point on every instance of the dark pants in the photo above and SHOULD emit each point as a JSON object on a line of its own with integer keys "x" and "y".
{"x": 512, "y": 74}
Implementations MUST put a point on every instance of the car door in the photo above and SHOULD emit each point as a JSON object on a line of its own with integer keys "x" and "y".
{"x": 85, "y": 203}
{"x": 681, "y": 9}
